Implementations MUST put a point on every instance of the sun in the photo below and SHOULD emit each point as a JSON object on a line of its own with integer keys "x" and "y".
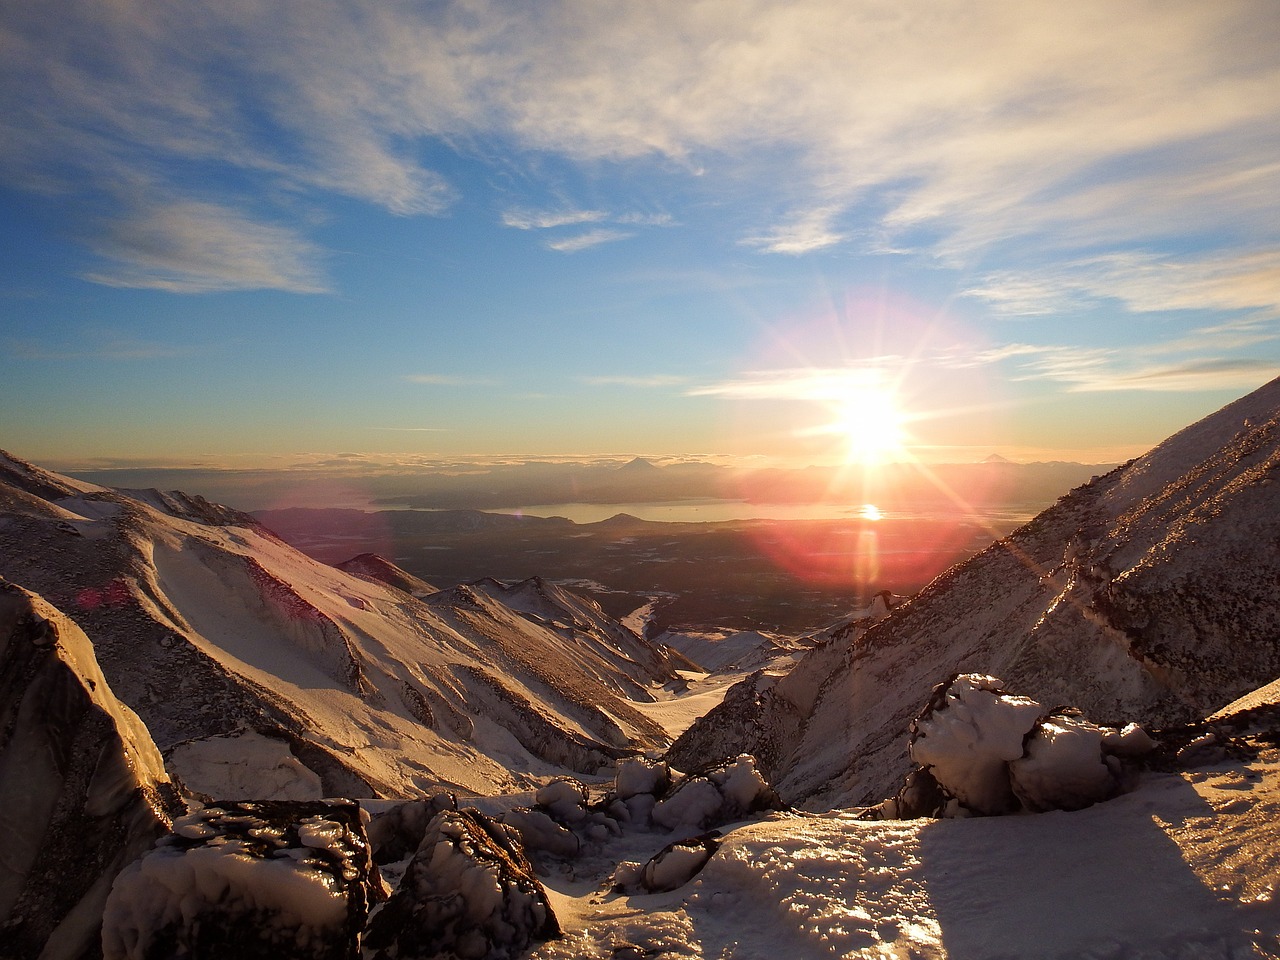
{"x": 870, "y": 423}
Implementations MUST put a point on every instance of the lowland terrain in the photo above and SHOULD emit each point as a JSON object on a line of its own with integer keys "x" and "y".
{"x": 788, "y": 576}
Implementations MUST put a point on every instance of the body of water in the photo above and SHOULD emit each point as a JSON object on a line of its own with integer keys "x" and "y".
{"x": 705, "y": 511}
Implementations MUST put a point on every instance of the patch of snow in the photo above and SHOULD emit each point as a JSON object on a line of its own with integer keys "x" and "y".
{"x": 244, "y": 766}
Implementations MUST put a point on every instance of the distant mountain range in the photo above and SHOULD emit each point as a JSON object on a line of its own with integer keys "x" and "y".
{"x": 995, "y": 481}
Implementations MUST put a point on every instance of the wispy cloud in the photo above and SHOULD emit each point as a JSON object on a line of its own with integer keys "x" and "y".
{"x": 1142, "y": 281}
{"x": 526, "y": 219}
{"x": 1093, "y": 370}
{"x": 549, "y": 219}
{"x": 446, "y": 380}
{"x": 585, "y": 241}
{"x": 820, "y": 384}
{"x": 805, "y": 233}
{"x": 196, "y": 247}
{"x": 643, "y": 382}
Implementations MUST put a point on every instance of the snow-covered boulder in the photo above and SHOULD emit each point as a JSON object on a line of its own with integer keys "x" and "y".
{"x": 983, "y": 751}
{"x": 468, "y": 892}
{"x": 538, "y": 831}
{"x": 565, "y": 799}
{"x": 966, "y": 735}
{"x": 1065, "y": 767}
{"x": 636, "y": 775}
{"x": 722, "y": 795}
{"x": 83, "y": 789}
{"x": 253, "y": 880}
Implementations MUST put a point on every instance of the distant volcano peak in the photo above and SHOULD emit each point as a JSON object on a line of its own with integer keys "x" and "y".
{"x": 639, "y": 464}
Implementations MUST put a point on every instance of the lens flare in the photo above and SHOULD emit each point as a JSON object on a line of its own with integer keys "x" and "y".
{"x": 873, "y": 392}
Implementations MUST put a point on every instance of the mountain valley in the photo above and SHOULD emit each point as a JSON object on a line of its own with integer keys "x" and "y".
{"x": 705, "y": 793}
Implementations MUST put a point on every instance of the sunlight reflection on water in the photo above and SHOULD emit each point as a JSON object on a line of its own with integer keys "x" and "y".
{"x": 695, "y": 511}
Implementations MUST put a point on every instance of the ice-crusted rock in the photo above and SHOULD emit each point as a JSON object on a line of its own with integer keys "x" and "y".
{"x": 1064, "y": 766}
{"x": 983, "y": 751}
{"x": 539, "y": 831}
{"x": 966, "y": 735}
{"x": 396, "y": 833}
{"x": 469, "y": 892}
{"x": 671, "y": 867}
{"x": 636, "y": 775}
{"x": 722, "y": 795}
{"x": 251, "y": 880}
{"x": 564, "y": 798}
{"x": 83, "y": 789}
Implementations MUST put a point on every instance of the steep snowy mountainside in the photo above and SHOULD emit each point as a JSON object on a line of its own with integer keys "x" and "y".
{"x": 210, "y": 630}
{"x": 1152, "y": 593}
{"x": 574, "y": 615}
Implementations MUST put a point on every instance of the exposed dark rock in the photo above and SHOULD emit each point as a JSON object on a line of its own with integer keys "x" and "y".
{"x": 469, "y": 892}
{"x": 396, "y": 833}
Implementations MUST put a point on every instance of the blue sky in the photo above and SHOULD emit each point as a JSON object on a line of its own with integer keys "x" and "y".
{"x": 265, "y": 233}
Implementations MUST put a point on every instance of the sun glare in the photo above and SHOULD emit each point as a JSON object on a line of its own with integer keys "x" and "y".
{"x": 871, "y": 425}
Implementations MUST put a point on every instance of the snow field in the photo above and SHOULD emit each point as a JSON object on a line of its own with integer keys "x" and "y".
{"x": 1183, "y": 867}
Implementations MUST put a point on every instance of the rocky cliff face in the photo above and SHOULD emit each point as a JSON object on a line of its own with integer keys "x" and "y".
{"x": 1151, "y": 593}
{"x": 83, "y": 790}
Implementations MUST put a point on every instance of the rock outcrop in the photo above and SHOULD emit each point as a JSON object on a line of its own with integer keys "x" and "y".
{"x": 283, "y": 880}
{"x": 83, "y": 790}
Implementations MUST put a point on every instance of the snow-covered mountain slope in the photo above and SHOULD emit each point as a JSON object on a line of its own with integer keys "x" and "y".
{"x": 209, "y": 626}
{"x": 83, "y": 790}
{"x": 373, "y": 567}
{"x": 1151, "y": 593}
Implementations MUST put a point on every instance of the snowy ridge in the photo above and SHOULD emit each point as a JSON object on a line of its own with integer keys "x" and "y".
{"x": 1151, "y": 593}
{"x": 211, "y": 629}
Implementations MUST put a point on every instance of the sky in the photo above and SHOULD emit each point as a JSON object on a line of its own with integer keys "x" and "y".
{"x": 252, "y": 233}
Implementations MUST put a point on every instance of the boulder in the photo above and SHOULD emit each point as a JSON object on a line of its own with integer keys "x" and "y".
{"x": 255, "y": 880}
{"x": 469, "y": 892}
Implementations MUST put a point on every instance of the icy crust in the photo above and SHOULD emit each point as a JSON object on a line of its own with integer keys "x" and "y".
{"x": 82, "y": 788}
{"x": 469, "y": 892}
{"x": 252, "y": 880}
{"x": 984, "y": 752}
